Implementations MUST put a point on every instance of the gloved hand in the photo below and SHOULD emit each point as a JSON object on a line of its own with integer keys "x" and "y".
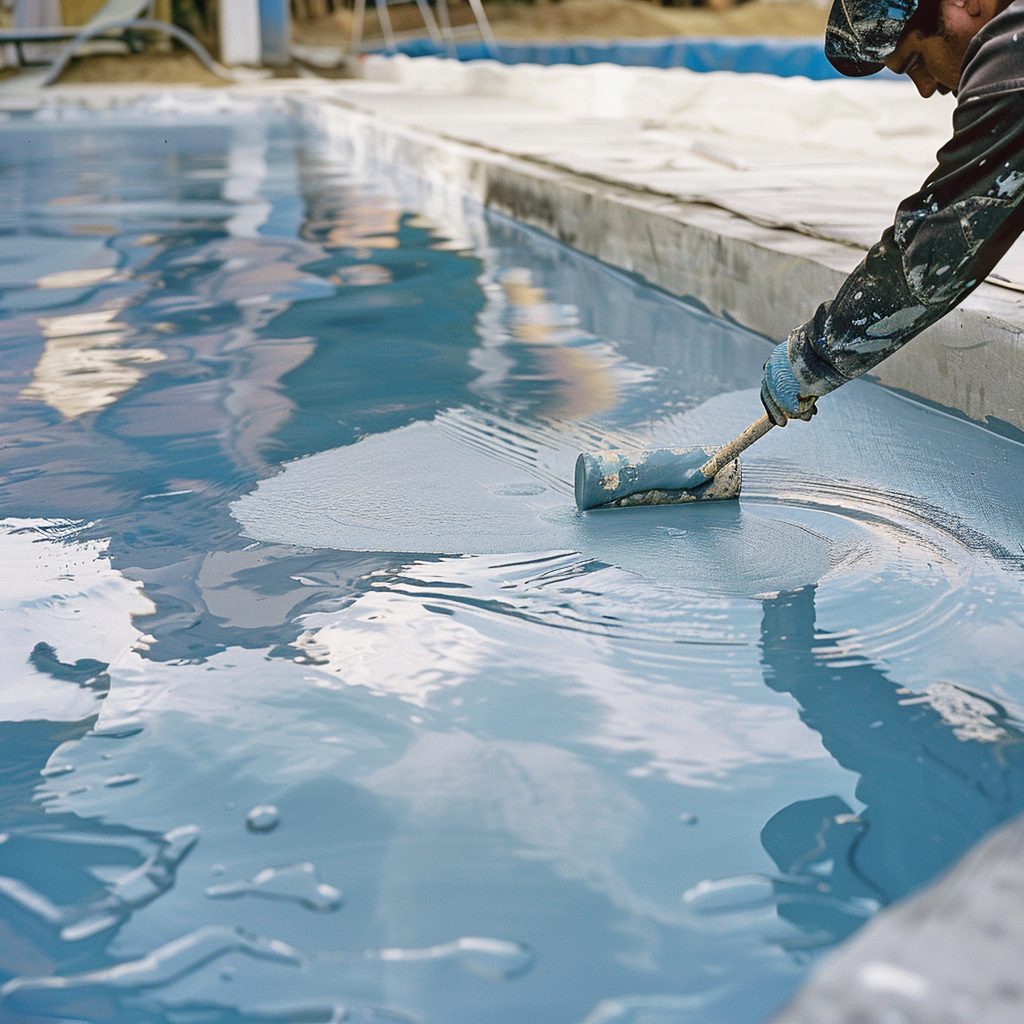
{"x": 780, "y": 390}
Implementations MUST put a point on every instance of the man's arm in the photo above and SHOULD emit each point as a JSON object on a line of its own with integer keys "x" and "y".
{"x": 945, "y": 240}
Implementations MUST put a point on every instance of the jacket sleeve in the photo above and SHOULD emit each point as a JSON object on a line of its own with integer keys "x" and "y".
{"x": 945, "y": 240}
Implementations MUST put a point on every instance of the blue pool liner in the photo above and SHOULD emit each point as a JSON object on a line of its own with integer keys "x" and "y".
{"x": 768, "y": 56}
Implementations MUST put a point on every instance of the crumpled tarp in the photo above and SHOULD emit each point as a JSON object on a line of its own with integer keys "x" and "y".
{"x": 829, "y": 159}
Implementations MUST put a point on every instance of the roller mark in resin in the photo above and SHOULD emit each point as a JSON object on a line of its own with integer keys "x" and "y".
{"x": 741, "y": 893}
{"x": 634, "y": 1009}
{"x": 116, "y": 781}
{"x": 151, "y": 879}
{"x": 164, "y": 965}
{"x": 295, "y": 883}
{"x": 495, "y": 959}
{"x": 116, "y": 729}
{"x": 721, "y": 895}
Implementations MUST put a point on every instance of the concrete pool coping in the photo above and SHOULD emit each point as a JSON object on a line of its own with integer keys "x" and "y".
{"x": 765, "y": 276}
{"x": 951, "y": 954}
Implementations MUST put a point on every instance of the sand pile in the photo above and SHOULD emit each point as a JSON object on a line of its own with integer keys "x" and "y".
{"x": 176, "y": 68}
{"x": 613, "y": 19}
{"x": 596, "y": 19}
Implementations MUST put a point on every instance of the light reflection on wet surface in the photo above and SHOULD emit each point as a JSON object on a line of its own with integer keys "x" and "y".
{"x": 635, "y": 767}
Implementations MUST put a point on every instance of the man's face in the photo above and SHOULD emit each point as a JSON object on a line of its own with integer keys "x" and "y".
{"x": 932, "y": 60}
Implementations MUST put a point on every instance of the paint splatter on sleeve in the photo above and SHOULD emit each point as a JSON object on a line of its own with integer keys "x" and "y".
{"x": 944, "y": 242}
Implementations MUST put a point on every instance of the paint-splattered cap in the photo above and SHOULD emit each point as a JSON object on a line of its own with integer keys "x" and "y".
{"x": 862, "y": 33}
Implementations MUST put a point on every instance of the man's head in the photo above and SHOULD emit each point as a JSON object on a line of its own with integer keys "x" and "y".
{"x": 862, "y": 33}
{"x": 924, "y": 39}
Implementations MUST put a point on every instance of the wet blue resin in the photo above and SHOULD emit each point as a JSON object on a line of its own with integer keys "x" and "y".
{"x": 322, "y": 698}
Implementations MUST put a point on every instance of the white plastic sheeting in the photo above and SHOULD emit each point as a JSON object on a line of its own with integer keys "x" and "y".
{"x": 874, "y": 118}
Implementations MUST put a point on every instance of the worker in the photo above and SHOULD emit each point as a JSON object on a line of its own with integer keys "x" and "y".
{"x": 947, "y": 237}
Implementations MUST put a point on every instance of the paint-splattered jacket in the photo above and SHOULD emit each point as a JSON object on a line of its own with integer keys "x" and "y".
{"x": 946, "y": 238}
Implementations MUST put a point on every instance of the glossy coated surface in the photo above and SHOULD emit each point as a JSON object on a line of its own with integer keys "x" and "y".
{"x": 322, "y": 699}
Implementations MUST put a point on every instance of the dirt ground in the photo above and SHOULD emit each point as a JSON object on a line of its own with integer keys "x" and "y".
{"x": 176, "y": 68}
{"x": 547, "y": 21}
{"x": 607, "y": 19}
{"x": 598, "y": 19}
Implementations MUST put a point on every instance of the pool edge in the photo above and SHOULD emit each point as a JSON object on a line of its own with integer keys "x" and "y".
{"x": 948, "y": 954}
{"x": 763, "y": 277}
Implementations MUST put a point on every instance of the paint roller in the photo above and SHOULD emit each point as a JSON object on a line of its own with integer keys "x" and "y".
{"x": 663, "y": 476}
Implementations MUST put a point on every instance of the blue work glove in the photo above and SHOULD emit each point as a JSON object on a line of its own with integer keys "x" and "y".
{"x": 780, "y": 390}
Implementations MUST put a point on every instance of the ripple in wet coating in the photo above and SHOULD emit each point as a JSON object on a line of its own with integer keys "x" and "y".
{"x": 295, "y": 882}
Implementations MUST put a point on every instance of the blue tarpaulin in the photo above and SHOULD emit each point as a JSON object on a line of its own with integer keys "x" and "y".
{"x": 783, "y": 57}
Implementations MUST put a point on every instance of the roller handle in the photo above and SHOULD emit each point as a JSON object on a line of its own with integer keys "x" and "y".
{"x": 734, "y": 448}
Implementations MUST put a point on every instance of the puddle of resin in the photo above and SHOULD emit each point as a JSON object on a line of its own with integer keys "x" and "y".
{"x": 323, "y": 700}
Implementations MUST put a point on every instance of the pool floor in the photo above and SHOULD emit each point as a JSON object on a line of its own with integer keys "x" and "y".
{"x": 322, "y": 700}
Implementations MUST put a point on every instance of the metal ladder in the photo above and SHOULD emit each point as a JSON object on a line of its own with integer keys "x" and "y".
{"x": 441, "y": 35}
